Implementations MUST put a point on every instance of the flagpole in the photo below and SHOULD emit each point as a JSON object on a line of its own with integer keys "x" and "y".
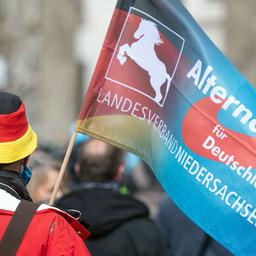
{"x": 63, "y": 168}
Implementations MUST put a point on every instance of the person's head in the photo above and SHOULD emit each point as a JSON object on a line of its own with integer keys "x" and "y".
{"x": 17, "y": 139}
{"x": 43, "y": 180}
{"x": 98, "y": 161}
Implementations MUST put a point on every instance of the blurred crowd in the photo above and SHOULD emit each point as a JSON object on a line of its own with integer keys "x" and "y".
{"x": 120, "y": 201}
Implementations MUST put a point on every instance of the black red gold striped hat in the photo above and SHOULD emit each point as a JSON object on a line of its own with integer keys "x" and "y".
{"x": 17, "y": 139}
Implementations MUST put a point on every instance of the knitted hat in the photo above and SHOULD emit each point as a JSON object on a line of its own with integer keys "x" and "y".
{"x": 17, "y": 139}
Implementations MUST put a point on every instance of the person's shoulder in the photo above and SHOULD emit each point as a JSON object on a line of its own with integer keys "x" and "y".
{"x": 64, "y": 234}
{"x": 62, "y": 218}
{"x": 143, "y": 226}
{"x": 143, "y": 232}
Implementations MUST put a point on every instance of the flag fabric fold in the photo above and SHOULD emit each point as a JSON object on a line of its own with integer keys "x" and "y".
{"x": 163, "y": 90}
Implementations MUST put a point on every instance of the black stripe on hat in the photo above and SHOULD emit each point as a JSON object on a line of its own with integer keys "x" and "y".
{"x": 9, "y": 103}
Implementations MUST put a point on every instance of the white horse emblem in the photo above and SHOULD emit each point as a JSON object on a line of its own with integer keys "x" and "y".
{"x": 142, "y": 52}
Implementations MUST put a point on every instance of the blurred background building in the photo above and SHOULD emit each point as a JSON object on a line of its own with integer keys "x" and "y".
{"x": 49, "y": 48}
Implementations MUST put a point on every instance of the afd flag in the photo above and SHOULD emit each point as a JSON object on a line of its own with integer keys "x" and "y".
{"x": 163, "y": 90}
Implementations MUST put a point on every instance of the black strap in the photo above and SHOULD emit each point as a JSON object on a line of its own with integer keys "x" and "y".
{"x": 17, "y": 228}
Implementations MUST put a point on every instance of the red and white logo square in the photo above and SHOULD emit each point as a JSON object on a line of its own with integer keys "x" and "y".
{"x": 146, "y": 56}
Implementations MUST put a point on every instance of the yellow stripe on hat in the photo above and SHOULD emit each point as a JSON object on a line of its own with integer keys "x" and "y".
{"x": 16, "y": 150}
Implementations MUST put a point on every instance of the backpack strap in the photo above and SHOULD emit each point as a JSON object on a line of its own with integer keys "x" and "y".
{"x": 17, "y": 228}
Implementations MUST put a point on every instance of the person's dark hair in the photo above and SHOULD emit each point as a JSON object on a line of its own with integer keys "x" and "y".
{"x": 6, "y": 166}
{"x": 3, "y": 166}
{"x": 99, "y": 165}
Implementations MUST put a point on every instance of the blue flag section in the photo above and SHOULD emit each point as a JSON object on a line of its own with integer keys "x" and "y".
{"x": 164, "y": 91}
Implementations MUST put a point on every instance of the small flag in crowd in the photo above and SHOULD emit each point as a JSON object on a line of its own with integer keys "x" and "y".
{"x": 163, "y": 90}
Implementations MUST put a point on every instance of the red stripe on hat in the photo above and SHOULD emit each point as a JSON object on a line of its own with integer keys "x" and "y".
{"x": 13, "y": 126}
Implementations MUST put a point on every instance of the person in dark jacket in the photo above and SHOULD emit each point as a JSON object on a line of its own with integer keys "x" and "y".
{"x": 119, "y": 224}
{"x": 182, "y": 236}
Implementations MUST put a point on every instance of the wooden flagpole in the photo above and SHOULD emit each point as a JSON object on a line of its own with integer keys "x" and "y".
{"x": 63, "y": 168}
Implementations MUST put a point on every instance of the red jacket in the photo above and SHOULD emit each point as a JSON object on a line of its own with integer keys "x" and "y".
{"x": 51, "y": 232}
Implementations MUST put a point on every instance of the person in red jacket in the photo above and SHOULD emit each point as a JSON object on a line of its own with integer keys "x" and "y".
{"x": 51, "y": 232}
